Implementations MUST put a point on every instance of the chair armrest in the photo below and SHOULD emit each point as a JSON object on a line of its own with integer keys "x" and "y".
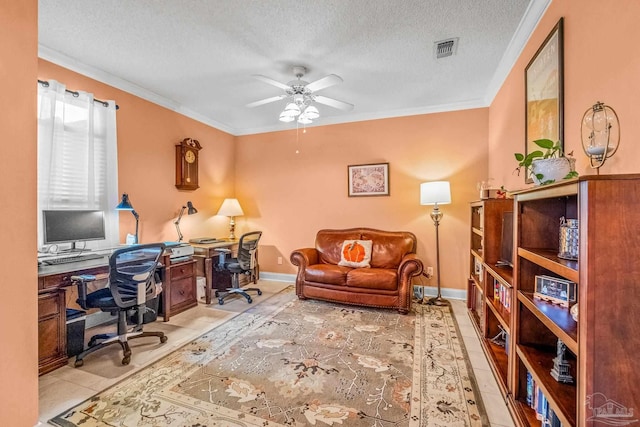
{"x": 223, "y": 253}
{"x": 81, "y": 283}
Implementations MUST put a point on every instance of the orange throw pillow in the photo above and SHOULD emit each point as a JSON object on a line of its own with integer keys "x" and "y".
{"x": 356, "y": 253}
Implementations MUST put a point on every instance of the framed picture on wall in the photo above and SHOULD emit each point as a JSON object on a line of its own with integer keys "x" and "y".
{"x": 544, "y": 87}
{"x": 368, "y": 180}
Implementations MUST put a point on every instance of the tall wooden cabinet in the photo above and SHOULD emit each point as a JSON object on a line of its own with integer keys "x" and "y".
{"x": 603, "y": 346}
{"x": 490, "y": 285}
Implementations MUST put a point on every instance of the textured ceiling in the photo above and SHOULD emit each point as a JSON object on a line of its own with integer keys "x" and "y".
{"x": 198, "y": 57}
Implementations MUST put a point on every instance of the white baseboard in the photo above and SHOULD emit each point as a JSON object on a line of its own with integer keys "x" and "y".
{"x": 431, "y": 291}
{"x": 447, "y": 293}
{"x": 278, "y": 277}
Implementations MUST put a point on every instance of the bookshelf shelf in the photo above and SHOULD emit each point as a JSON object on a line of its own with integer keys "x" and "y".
{"x": 554, "y": 317}
{"x": 562, "y": 397}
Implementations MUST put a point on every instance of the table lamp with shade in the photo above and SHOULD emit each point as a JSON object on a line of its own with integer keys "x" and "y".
{"x": 232, "y": 209}
{"x": 125, "y": 205}
{"x": 436, "y": 193}
{"x": 190, "y": 211}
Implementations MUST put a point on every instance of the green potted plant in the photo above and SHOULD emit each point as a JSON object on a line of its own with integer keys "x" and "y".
{"x": 547, "y": 165}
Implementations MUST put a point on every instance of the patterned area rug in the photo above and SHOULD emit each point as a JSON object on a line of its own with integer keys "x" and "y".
{"x": 287, "y": 362}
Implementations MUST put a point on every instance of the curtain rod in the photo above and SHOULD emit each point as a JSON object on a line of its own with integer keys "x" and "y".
{"x": 76, "y": 94}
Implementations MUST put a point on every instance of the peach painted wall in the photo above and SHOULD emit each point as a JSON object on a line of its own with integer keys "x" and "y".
{"x": 601, "y": 63}
{"x": 18, "y": 270}
{"x": 289, "y": 195}
{"x": 147, "y": 135}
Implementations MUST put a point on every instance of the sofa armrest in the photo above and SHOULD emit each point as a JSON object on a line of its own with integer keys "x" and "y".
{"x": 304, "y": 257}
{"x": 410, "y": 266}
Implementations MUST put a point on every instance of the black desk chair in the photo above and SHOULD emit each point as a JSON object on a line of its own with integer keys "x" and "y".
{"x": 245, "y": 263}
{"x": 131, "y": 284}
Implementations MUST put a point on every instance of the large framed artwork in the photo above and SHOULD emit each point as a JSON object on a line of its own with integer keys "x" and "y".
{"x": 369, "y": 180}
{"x": 544, "y": 87}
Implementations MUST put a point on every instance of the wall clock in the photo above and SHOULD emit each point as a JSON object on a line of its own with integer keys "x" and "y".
{"x": 187, "y": 164}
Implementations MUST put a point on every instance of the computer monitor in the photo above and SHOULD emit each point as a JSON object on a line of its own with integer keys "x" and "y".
{"x": 71, "y": 226}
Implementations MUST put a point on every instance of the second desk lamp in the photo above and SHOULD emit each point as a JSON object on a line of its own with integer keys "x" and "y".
{"x": 191, "y": 210}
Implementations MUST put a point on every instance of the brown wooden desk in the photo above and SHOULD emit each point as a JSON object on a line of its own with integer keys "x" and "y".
{"x": 178, "y": 294}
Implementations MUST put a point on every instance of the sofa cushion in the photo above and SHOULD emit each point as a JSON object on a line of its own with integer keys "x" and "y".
{"x": 327, "y": 273}
{"x": 356, "y": 253}
{"x": 329, "y": 243}
{"x": 373, "y": 278}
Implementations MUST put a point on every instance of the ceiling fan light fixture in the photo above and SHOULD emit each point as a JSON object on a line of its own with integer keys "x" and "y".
{"x": 311, "y": 112}
{"x": 291, "y": 109}
{"x": 304, "y": 120}
{"x": 286, "y": 118}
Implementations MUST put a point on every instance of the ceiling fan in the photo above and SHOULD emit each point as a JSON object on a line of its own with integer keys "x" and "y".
{"x": 301, "y": 96}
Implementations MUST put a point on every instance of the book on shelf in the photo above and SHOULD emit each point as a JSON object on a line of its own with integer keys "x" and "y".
{"x": 502, "y": 294}
{"x": 539, "y": 403}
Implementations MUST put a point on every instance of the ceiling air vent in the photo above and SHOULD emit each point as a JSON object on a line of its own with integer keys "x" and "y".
{"x": 444, "y": 48}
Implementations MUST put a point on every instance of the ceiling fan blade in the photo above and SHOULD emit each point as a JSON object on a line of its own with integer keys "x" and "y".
{"x": 266, "y": 101}
{"x": 340, "y": 105}
{"x": 270, "y": 81}
{"x": 324, "y": 82}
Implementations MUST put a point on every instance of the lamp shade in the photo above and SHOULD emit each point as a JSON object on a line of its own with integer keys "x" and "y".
{"x": 435, "y": 193}
{"x": 311, "y": 112}
{"x": 125, "y": 204}
{"x": 230, "y": 207}
{"x": 191, "y": 209}
{"x": 291, "y": 109}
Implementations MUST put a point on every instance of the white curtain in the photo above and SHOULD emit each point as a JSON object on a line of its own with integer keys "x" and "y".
{"x": 77, "y": 157}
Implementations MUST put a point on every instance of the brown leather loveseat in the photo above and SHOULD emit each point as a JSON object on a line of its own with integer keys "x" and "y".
{"x": 386, "y": 283}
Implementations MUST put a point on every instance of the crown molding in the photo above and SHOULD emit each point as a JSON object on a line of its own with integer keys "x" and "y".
{"x": 525, "y": 29}
{"x": 72, "y": 64}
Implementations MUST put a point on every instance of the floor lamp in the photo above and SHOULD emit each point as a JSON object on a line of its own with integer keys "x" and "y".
{"x": 436, "y": 193}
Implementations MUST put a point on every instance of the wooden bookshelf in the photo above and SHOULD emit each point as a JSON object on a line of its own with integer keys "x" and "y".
{"x": 489, "y": 315}
{"x": 603, "y": 346}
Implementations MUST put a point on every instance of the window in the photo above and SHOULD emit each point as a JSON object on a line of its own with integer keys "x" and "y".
{"x": 77, "y": 156}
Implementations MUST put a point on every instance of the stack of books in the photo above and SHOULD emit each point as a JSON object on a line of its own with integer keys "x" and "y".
{"x": 539, "y": 403}
{"x": 502, "y": 294}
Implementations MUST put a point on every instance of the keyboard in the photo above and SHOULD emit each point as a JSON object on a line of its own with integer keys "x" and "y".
{"x": 77, "y": 258}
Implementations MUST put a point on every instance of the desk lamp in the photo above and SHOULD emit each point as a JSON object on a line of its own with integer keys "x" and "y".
{"x": 232, "y": 209}
{"x": 125, "y": 205}
{"x": 434, "y": 193}
{"x": 191, "y": 210}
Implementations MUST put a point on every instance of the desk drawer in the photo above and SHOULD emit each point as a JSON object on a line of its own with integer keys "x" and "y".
{"x": 182, "y": 291}
{"x": 64, "y": 279}
{"x": 181, "y": 271}
{"x": 49, "y": 304}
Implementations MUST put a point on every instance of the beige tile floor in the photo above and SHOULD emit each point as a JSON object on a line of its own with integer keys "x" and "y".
{"x": 68, "y": 386}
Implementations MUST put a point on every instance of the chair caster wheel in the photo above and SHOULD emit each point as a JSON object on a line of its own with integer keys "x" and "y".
{"x": 126, "y": 360}
{"x": 220, "y": 301}
{"x": 163, "y": 339}
{"x": 78, "y": 363}
{"x": 249, "y": 300}
{"x": 259, "y": 292}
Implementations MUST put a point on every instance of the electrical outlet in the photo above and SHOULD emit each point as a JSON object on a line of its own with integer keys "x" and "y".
{"x": 430, "y": 271}
{"x": 279, "y": 260}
